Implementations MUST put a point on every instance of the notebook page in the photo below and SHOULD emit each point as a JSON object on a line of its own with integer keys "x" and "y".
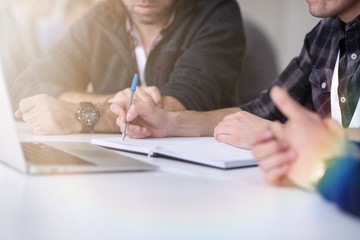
{"x": 204, "y": 150}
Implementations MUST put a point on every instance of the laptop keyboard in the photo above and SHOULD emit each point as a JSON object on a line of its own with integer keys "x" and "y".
{"x": 42, "y": 154}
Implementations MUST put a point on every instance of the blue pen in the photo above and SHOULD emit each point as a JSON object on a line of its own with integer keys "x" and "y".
{"x": 133, "y": 88}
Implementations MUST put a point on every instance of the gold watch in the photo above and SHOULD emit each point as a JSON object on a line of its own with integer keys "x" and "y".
{"x": 317, "y": 173}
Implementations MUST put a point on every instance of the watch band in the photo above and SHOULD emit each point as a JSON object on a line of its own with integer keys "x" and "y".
{"x": 87, "y": 128}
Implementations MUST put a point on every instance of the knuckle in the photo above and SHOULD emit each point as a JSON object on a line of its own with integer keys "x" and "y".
{"x": 240, "y": 114}
{"x": 42, "y": 97}
{"x": 316, "y": 117}
{"x": 256, "y": 154}
{"x": 154, "y": 89}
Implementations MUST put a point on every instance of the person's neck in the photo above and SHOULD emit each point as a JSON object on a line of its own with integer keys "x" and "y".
{"x": 148, "y": 32}
{"x": 351, "y": 14}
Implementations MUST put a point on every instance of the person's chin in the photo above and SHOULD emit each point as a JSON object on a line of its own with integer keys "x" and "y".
{"x": 146, "y": 19}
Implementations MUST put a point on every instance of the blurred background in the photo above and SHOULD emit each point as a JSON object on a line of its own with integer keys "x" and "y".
{"x": 29, "y": 28}
{"x": 285, "y": 22}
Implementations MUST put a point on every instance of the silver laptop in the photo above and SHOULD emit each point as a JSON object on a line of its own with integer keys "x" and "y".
{"x": 55, "y": 157}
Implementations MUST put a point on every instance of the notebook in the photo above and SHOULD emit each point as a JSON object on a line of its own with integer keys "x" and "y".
{"x": 55, "y": 157}
{"x": 201, "y": 150}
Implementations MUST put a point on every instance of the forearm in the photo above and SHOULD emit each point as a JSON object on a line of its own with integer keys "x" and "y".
{"x": 172, "y": 104}
{"x": 107, "y": 120}
{"x": 196, "y": 124}
{"x": 77, "y": 97}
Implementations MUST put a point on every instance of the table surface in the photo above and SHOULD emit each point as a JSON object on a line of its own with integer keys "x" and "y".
{"x": 179, "y": 201}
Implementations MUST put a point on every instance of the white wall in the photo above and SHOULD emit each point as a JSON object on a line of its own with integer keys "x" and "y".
{"x": 286, "y": 22}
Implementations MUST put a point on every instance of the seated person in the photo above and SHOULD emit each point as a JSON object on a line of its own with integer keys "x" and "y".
{"x": 310, "y": 152}
{"x": 308, "y": 78}
{"x": 188, "y": 55}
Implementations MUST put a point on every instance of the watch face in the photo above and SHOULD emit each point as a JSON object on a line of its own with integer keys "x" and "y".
{"x": 88, "y": 115}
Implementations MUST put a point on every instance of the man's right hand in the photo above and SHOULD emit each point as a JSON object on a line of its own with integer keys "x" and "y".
{"x": 292, "y": 150}
{"x": 145, "y": 119}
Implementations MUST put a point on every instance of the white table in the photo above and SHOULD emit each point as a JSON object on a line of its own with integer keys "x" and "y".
{"x": 180, "y": 201}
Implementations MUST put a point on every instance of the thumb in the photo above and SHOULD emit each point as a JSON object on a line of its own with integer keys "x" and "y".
{"x": 286, "y": 104}
{"x": 18, "y": 114}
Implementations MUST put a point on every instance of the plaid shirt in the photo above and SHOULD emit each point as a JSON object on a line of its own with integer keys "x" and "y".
{"x": 308, "y": 77}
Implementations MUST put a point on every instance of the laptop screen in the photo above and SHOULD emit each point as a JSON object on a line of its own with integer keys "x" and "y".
{"x": 10, "y": 149}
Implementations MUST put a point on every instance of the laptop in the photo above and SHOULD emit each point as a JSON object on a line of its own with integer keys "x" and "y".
{"x": 55, "y": 157}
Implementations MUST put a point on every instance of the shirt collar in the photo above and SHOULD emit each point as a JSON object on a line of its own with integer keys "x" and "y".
{"x": 134, "y": 35}
{"x": 353, "y": 23}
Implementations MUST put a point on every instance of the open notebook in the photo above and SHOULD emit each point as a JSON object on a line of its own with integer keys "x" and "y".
{"x": 202, "y": 150}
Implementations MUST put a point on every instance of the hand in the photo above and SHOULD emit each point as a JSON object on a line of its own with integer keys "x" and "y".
{"x": 145, "y": 119}
{"x": 145, "y": 94}
{"x": 273, "y": 154}
{"x": 302, "y": 142}
{"x": 46, "y": 115}
{"x": 238, "y": 129}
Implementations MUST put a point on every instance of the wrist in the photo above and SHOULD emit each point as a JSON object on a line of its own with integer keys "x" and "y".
{"x": 75, "y": 125}
{"x": 88, "y": 115}
{"x": 172, "y": 124}
{"x": 186, "y": 124}
{"x": 316, "y": 174}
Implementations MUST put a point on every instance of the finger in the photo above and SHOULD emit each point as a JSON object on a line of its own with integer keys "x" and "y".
{"x": 141, "y": 109}
{"x": 32, "y": 121}
{"x": 276, "y": 160}
{"x": 232, "y": 116}
{"x": 134, "y": 131}
{"x": 39, "y": 130}
{"x": 119, "y": 108}
{"x": 263, "y": 136}
{"x": 123, "y": 95}
{"x": 223, "y": 129}
{"x": 35, "y": 126}
{"x": 118, "y": 98}
{"x": 143, "y": 96}
{"x": 269, "y": 148}
{"x": 278, "y": 130}
{"x": 224, "y": 138}
{"x": 26, "y": 104}
{"x": 236, "y": 142}
{"x": 27, "y": 117}
{"x": 18, "y": 114}
{"x": 286, "y": 104}
{"x": 155, "y": 94}
{"x": 276, "y": 176}
{"x": 120, "y": 123}
{"x": 333, "y": 125}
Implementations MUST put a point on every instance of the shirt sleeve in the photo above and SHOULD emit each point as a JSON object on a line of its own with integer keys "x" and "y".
{"x": 64, "y": 67}
{"x": 294, "y": 79}
{"x": 341, "y": 182}
{"x": 205, "y": 73}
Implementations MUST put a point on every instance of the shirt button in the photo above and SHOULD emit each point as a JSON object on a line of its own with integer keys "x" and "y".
{"x": 343, "y": 99}
{"x": 323, "y": 85}
{"x": 353, "y": 56}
